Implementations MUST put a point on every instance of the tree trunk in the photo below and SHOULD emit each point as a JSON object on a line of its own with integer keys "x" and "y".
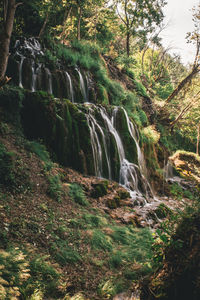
{"x": 5, "y": 35}
{"x": 182, "y": 84}
{"x": 79, "y": 24}
{"x": 44, "y": 25}
{"x": 128, "y": 43}
{"x": 198, "y": 135}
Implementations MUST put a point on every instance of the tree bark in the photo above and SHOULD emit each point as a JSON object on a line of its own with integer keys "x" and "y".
{"x": 128, "y": 43}
{"x": 181, "y": 85}
{"x": 198, "y": 135}
{"x": 5, "y": 35}
{"x": 79, "y": 24}
{"x": 44, "y": 25}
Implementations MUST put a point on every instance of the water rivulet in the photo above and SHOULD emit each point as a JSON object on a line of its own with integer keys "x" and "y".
{"x": 109, "y": 153}
{"x": 30, "y": 68}
{"x": 78, "y": 133}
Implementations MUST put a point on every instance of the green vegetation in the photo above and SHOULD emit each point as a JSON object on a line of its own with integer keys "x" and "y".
{"x": 77, "y": 195}
{"x": 68, "y": 236}
{"x": 7, "y": 176}
{"x": 55, "y": 188}
{"x": 38, "y": 149}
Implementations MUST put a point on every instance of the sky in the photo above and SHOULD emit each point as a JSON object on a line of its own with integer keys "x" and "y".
{"x": 178, "y": 15}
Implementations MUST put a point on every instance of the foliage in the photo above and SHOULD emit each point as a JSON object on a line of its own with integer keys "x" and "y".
{"x": 101, "y": 241}
{"x": 77, "y": 195}
{"x": 7, "y": 175}
{"x": 151, "y": 134}
{"x": 14, "y": 273}
{"x": 64, "y": 254}
{"x": 11, "y": 101}
{"x": 38, "y": 149}
{"x": 43, "y": 278}
{"x": 55, "y": 190}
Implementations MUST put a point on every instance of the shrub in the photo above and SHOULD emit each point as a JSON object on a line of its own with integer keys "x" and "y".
{"x": 152, "y": 134}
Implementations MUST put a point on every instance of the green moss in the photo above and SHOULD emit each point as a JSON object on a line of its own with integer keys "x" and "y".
{"x": 7, "y": 175}
{"x": 11, "y": 100}
{"x": 100, "y": 189}
{"x": 113, "y": 203}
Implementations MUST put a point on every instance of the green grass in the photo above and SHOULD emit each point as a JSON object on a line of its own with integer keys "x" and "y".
{"x": 55, "y": 190}
{"x": 101, "y": 241}
{"x": 38, "y": 149}
{"x": 77, "y": 194}
{"x": 43, "y": 275}
{"x": 64, "y": 254}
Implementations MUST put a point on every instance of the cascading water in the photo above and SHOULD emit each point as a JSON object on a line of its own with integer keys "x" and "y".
{"x": 20, "y": 71}
{"x": 132, "y": 132}
{"x": 82, "y": 86}
{"x": 49, "y": 81}
{"x": 96, "y": 129}
{"x": 128, "y": 172}
{"x": 71, "y": 91}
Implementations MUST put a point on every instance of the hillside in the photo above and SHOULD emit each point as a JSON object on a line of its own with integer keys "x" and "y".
{"x": 99, "y": 154}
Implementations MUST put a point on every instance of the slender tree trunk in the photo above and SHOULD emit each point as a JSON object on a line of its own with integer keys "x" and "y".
{"x": 183, "y": 83}
{"x": 67, "y": 14}
{"x": 5, "y": 35}
{"x": 128, "y": 43}
{"x": 198, "y": 135}
{"x": 79, "y": 24}
{"x": 44, "y": 25}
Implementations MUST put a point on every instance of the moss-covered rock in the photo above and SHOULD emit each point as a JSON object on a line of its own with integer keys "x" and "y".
{"x": 61, "y": 126}
{"x": 100, "y": 189}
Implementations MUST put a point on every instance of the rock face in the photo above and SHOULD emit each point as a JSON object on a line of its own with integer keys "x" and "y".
{"x": 187, "y": 165}
{"x": 88, "y": 138}
{"x": 30, "y": 68}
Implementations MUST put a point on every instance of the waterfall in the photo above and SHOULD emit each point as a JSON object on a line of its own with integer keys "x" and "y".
{"x": 129, "y": 172}
{"x": 20, "y": 71}
{"x": 49, "y": 81}
{"x": 168, "y": 171}
{"x": 132, "y": 131}
{"x": 95, "y": 128}
{"x": 71, "y": 91}
{"x": 88, "y": 85}
{"x": 82, "y": 86}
